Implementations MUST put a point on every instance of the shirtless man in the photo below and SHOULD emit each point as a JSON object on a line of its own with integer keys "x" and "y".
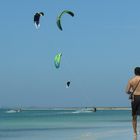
{"x": 134, "y": 84}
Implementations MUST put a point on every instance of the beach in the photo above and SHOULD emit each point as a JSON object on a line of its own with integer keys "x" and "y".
{"x": 62, "y": 124}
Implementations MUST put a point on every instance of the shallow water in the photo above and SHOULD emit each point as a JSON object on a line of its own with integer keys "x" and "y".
{"x": 65, "y": 125}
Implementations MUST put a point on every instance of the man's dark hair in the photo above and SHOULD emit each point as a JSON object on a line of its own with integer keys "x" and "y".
{"x": 137, "y": 71}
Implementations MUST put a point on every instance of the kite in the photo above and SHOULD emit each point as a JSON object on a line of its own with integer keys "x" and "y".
{"x": 57, "y": 60}
{"x": 60, "y": 16}
{"x": 37, "y": 19}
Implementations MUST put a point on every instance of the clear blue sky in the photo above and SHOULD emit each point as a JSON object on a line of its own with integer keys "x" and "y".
{"x": 100, "y": 47}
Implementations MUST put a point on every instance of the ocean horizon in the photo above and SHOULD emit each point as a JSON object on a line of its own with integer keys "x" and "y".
{"x": 68, "y": 108}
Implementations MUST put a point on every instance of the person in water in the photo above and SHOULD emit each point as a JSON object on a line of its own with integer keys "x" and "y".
{"x": 134, "y": 86}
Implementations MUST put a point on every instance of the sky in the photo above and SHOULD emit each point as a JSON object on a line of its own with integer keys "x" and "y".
{"x": 100, "y": 48}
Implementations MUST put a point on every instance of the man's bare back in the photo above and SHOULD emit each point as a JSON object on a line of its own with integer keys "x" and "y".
{"x": 132, "y": 85}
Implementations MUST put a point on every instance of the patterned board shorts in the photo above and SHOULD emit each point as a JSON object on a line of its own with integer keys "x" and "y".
{"x": 135, "y": 105}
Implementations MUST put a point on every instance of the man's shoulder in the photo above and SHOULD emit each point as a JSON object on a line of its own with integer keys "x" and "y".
{"x": 132, "y": 79}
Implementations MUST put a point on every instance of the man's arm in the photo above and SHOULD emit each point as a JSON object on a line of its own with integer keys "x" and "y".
{"x": 129, "y": 87}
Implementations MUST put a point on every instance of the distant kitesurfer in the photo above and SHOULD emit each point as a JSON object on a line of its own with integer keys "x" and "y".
{"x": 68, "y": 84}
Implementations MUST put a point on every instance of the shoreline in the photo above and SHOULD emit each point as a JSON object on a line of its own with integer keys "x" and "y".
{"x": 69, "y": 108}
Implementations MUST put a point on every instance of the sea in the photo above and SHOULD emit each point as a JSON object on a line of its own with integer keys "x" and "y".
{"x": 66, "y": 124}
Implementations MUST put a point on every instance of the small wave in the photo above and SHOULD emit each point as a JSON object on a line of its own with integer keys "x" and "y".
{"x": 12, "y": 111}
{"x": 82, "y": 111}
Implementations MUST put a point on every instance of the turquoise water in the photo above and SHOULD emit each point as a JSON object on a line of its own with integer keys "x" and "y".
{"x": 65, "y": 125}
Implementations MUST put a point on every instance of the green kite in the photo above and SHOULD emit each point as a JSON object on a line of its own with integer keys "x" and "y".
{"x": 57, "y": 60}
{"x": 60, "y": 16}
